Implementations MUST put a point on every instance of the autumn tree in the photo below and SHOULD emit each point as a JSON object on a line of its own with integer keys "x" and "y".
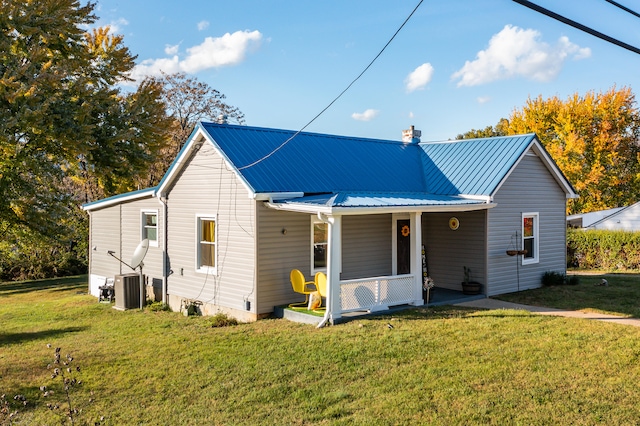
{"x": 594, "y": 139}
{"x": 68, "y": 134}
{"x": 500, "y": 129}
{"x": 186, "y": 102}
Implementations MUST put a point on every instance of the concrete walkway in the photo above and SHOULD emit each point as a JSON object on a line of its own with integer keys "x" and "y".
{"x": 488, "y": 303}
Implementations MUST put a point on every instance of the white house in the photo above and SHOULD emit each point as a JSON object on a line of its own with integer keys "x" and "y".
{"x": 241, "y": 206}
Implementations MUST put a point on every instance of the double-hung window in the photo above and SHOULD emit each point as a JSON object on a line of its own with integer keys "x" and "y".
{"x": 530, "y": 237}
{"x": 149, "y": 226}
{"x": 206, "y": 250}
{"x": 319, "y": 242}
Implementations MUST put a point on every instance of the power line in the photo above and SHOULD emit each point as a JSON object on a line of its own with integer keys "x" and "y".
{"x": 577, "y": 25}
{"x": 626, "y": 9}
{"x": 337, "y": 97}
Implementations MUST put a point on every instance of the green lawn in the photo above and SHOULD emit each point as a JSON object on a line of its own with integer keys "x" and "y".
{"x": 437, "y": 366}
{"x": 621, "y": 296}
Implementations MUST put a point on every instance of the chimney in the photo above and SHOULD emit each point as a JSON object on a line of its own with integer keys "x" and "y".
{"x": 411, "y": 136}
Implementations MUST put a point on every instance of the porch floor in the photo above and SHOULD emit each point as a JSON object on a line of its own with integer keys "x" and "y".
{"x": 440, "y": 297}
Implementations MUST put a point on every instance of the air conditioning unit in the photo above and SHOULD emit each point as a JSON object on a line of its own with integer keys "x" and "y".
{"x": 127, "y": 288}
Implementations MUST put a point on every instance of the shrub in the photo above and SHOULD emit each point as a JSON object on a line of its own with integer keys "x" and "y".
{"x": 550, "y": 278}
{"x": 603, "y": 249}
{"x": 158, "y": 306}
{"x": 222, "y": 320}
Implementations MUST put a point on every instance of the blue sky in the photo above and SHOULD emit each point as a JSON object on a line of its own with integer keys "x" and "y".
{"x": 456, "y": 65}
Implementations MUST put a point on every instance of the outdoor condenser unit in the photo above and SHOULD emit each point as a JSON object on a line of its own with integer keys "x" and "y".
{"x": 127, "y": 288}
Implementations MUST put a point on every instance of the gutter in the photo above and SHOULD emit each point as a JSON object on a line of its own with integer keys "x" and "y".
{"x": 346, "y": 211}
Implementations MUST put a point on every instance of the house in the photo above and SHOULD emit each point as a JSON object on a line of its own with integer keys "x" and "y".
{"x": 619, "y": 218}
{"x": 242, "y": 206}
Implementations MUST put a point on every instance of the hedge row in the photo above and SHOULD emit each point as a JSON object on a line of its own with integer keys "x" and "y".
{"x": 602, "y": 249}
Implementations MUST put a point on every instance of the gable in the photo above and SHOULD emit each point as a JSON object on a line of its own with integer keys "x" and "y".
{"x": 625, "y": 218}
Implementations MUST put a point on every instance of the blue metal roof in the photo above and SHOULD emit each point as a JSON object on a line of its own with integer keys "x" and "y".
{"x": 318, "y": 163}
{"x": 362, "y": 199}
{"x": 472, "y": 166}
{"x": 341, "y": 171}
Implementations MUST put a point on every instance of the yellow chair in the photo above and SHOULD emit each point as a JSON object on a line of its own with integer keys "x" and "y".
{"x": 300, "y": 286}
{"x": 321, "y": 286}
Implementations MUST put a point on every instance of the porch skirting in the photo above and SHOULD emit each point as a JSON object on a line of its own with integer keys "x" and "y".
{"x": 377, "y": 293}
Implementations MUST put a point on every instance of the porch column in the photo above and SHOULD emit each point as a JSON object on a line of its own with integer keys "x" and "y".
{"x": 416, "y": 257}
{"x": 334, "y": 267}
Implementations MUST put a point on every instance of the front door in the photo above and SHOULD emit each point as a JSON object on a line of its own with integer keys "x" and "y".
{"x": 403, "y": 246}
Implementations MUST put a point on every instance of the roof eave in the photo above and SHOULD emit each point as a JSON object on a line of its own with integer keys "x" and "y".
{"x": 117, "y": 199}
{"x": 350, "y": 211}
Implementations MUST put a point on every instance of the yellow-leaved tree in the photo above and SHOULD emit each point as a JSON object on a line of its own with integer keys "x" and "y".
{"x": 594, "y": 139}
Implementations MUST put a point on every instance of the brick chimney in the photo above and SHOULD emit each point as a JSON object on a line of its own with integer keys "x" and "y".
{"x": 411, "y": 136}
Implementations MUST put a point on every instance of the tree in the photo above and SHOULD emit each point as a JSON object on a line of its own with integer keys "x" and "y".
{"x": 594, "y": 139}
{"x": 488, "y": 132}
{"x": 68, "y": 135}
{"x": 186, "y": 102}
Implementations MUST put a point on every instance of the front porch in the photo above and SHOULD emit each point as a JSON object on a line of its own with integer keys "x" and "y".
{"x": 440, "y": 297}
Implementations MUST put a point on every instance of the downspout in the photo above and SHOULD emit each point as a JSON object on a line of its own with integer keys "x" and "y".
{"x": 327, "y": 312}
{"x": 164, "y": 248}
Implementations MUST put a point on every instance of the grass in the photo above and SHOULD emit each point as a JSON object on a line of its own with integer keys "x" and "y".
{"x": 621, "y": 296}
{"x": 441, "y": 366}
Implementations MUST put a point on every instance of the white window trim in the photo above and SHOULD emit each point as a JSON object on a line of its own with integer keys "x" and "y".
{"x": 314, "y": 270}
{"x": 205, "y": 269}
{"x": 143, "y": 213}
{"x": 536, "y": 236}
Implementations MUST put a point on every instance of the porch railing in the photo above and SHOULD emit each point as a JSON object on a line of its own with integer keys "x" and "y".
{"x": 377, "y": 293}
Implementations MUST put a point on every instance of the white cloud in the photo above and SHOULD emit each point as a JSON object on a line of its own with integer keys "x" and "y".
{"x": 483, "y": 99}
{"x": 213, "y": 52}
{"x": 419, "y": 77}
{"x": 115, "y": 27}
{"x": 171, "y": 50}
{"x": 411, "y": 114}
{"x": 203, "y": 25}
{"x": 368, "y": 115}
{"x": 515, "y": 52}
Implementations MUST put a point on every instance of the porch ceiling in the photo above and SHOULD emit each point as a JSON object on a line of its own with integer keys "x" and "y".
{"x": 345, "y": 203}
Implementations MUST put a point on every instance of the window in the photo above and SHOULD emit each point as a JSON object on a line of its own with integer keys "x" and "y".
{"x": 150, "y": 227}
{"x": 319, "y": 238}
{"x": 530, "y": 237}
{"x": 206, "y": 255}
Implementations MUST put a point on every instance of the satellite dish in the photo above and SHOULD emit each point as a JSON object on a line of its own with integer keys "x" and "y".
{"x": 139, "y": 253}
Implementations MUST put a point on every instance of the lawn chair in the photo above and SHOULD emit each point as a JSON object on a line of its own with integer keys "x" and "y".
{"x": 300, "y": 286}
{"x": 321, "y": 286}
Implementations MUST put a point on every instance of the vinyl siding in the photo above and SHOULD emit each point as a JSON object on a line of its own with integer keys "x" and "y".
{"x": 131, "y": 216}
{"x": 530, "y": 188}
{"x": 118, "y": 228}
{"x": 206, "y": 186}
{"x": 449, "y": 251}
{"x": 105, "y": 235}
{"x": 279, "y": 253}
{"x": 366, "y": 246}
{"x": 627, "y": 219}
